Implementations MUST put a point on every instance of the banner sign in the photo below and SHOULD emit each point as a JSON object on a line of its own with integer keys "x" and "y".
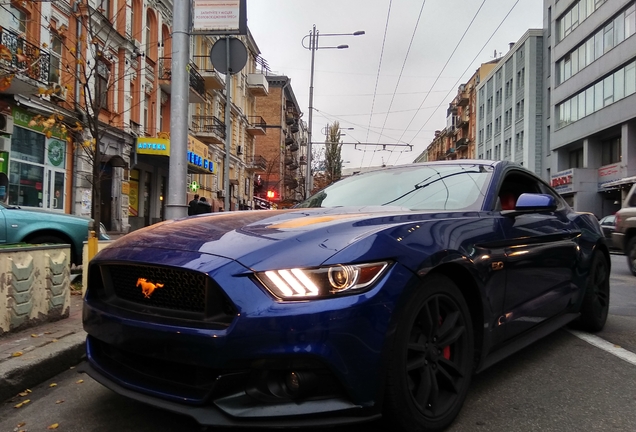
{"x": 219, "y": 17}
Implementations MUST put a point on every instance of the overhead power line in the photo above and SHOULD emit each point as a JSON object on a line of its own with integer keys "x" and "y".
{"x": 471, "y": 63}
{"x": 445, "y": 65}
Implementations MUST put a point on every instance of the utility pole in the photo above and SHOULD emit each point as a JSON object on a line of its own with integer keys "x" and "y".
{"x": 176, "y": 203}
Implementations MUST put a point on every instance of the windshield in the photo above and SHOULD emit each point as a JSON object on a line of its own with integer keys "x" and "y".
{"x": 414, "y": 187}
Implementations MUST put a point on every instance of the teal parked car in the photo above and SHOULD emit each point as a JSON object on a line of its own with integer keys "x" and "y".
{"x": 35, "y": 226}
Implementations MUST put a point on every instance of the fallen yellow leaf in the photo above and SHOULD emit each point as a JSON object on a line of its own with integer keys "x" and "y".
{"x": 48, "y": 332}
{"x": 28, "y": 390}
{"x": 21, "y": 424}
{"x": 53, "y": 426}
{"x": 54, "y": 340}
{"x": 21, "y": 404}
{"x": 80, "y": 381}
{"x": 16, "y": 354}
{"x": 59, "y": 401}
{"x": 52, "y": 385}
{"x": 23, "y": 393}
{"x": 34, "y": 335}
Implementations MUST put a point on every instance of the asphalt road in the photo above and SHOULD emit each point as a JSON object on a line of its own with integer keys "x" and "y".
{"x": 561, "y": 383}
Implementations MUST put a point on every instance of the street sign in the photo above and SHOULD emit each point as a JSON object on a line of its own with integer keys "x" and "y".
{"x": 238, "y": 56}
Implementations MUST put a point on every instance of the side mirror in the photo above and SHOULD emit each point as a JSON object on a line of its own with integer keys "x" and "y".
{"x": 533, "y": 203}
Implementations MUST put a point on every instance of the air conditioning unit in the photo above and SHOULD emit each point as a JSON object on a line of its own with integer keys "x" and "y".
{"x": 220, "y": 194}
{"x": 59, "y": 92}
{"x": 6, "y": 124}
{"x": 5, "y": 144}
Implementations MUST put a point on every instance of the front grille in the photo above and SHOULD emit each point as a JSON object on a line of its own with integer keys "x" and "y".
{"x": 172, "y": 293}
{"x": 182, "y": 290}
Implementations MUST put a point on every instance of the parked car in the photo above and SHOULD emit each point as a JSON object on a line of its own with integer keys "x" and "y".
{"x": 380, "y": 295}
{"x": 624, "y": 236}
{"x": 36, "y": 226}
{"x": 608, "y": 224}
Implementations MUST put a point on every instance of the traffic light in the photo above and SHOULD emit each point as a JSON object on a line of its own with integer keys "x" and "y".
{"x": 271, "y": 195}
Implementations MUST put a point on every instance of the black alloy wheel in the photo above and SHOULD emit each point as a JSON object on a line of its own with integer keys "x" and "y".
{"x": 432, "y": 360}
{"x": 595, "y": 307}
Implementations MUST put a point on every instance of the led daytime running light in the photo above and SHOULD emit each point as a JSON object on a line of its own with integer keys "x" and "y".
{"x": 298, "y": 284}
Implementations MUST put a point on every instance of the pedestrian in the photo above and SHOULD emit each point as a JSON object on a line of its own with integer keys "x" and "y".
{"x": 203, "y": 206}
{"x": 192, "y": 205}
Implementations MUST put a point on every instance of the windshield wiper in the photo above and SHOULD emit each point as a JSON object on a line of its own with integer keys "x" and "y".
{"x": 421, "y": 186}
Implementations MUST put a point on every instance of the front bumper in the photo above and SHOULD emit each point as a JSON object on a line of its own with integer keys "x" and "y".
{"x": 618, "y": 241}
{"x": 236, "y": 374}
{"x": 312, "y": 415}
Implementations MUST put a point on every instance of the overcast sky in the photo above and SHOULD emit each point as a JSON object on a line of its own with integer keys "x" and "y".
{"x": 393, "y": 84}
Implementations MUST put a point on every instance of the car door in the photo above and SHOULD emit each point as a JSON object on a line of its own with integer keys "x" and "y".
{"x": 540, "y": 255}
{"x": 3, "y": 225}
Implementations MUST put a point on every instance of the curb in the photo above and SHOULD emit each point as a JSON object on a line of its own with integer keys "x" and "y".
{"x": 40, "y": 364}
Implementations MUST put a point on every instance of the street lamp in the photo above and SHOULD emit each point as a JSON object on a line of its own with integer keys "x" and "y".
{"x": 312, "y": 45}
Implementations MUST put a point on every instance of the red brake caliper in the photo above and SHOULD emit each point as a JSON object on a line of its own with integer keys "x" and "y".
{"x": 446, "y": 351}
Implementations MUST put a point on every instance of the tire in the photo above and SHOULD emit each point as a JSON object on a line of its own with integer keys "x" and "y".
{"x": 595, "y": 305}
{"x": 630, "y": 253}
{"x": 431, "y": 362}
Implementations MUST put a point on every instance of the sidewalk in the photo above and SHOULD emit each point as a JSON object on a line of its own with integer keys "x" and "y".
{"x": 46, "y": 350}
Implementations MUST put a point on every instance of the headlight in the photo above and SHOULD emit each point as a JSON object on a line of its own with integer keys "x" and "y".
{"x": 299, "y": 284}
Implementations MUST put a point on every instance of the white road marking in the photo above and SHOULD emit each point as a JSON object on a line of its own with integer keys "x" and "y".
{"x": 609, "y": 347}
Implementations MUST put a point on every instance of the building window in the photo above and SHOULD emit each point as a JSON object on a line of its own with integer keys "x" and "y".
{"x": 576, "y": 14}
{"x": 610, "y": 89}
{"x": 611, "y": 151}
{"x": 55, "y": 71}
{"x": 576, "y": 158}
{"x": 104, "y": 8}
{"x": 101, "y": 85}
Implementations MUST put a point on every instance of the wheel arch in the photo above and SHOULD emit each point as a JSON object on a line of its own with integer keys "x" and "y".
{"x": 465, "y": 282}
{"x": 75, "y": 254}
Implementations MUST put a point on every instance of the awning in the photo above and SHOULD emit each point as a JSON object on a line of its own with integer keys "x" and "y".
{"x": 115, "y": 161}
{"x": 620, "y": 182}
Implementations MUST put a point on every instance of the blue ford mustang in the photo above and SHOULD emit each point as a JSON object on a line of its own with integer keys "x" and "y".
{"x": 380, "y": 295}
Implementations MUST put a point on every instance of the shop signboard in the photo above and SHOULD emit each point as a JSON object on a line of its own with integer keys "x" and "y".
{"x": 563, "y": 181}
{"x": 607, "y": 174}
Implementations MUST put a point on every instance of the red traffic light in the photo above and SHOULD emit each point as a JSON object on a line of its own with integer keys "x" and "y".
{"x": 271, "y": 194}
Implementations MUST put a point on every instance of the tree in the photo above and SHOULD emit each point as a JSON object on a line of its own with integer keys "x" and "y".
{"x": 92, "y": 70}
{"x": 333, "y": 154}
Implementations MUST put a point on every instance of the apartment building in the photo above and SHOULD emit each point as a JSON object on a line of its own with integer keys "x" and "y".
{"x": 281, "y": 177}
{"x": 510, "y": 106}
{"x": 457, "y": 140}
{"x": 591, "y": 100}
{"x": 47, "y": 148}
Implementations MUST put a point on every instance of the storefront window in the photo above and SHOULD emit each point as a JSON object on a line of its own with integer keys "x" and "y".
{"x": 27, "y": 145}
{"x": 25, "y": 184}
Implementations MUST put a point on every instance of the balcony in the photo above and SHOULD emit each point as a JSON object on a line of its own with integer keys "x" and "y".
{"x": 257, "y": 84}
{"x": 197, "y": 84}
{"x": 257, "y": 163}
{"x": 27, "y": 61}
{"x": 256, "y": 125}
{"x": 213, "y": 80}
{"x": 450, "y": 153}
{"x": 462, "y": 121}
{"x": 209, "y": 129}
{"x": 462, "y": 98}
{"x": 461, "y": 144}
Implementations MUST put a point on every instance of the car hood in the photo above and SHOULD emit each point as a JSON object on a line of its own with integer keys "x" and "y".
{"x": 268, "y": 239}
{"x": 42, "y": 214}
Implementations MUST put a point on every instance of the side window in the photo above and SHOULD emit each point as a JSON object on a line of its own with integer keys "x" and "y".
{"x": 545, "y": 189}
{"x": 514, "y": 184}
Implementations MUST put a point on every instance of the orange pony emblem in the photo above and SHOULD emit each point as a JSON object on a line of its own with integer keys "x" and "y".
{"x": 147, "y": 288}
